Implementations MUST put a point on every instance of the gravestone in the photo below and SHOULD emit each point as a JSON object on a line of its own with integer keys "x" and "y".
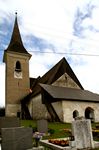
{"x": 7, "y": 122}
{"x": 82, "y": 131}
{"x": 42, "y": 126}
{"x": 17, "y": 138}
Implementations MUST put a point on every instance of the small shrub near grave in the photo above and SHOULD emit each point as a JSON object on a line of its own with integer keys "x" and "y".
{"x": 51, "y": 131}
{"x": 34, "y": 129}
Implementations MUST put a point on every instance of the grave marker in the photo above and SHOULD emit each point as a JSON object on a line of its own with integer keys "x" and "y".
{"x": 7, "y": 122}
{"x": 42, "y": 126}
{"x": 17, "y": 138}
{"x": 82, "y": 132}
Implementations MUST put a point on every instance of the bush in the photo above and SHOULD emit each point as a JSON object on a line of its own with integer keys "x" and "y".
{"x": 51, "y": 131}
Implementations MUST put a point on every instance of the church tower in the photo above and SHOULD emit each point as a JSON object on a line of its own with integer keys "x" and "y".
{"x": 17, "y": 83}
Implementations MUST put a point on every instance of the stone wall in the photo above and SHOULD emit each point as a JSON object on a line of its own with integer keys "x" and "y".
{"x": 39, "y": 110}
{"x": 70, "y": 106}
{"x": 12, "y": 109}
{"x": 16, "y": 88}
{"x": 58, "y": 108}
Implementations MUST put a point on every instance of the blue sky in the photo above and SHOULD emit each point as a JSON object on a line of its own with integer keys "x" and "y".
{"x": 51, "y": 30}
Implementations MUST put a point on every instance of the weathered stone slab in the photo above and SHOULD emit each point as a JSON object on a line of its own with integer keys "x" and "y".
{"x": 17, "y": 138}
{"x": 7, "y": 122}
{"x": 48, "y": 145}
{"x": 37, "y": 148}
{"x": 42, "y": 126}
{"x": 82, "y": 132}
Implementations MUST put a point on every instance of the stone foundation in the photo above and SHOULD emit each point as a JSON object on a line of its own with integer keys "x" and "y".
{"x": 12, "y": 110}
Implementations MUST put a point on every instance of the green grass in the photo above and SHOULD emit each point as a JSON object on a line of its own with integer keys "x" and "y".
{"x": 56, "y": 129}
{"x": 28, "y": 123}
{"x": 59, "y": 129}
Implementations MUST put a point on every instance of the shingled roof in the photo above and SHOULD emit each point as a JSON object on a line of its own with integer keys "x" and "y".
{"x": 16, "y": 44}
{"x": 63, "y": 93}
{"x": 53, "y": 74}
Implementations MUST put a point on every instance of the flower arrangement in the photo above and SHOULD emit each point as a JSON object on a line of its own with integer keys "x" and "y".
{"x": 60, "y": 142}
{"x": 37, "y": 136}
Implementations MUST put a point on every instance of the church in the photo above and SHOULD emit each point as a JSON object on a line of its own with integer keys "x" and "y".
{"x": 56, "y": 96}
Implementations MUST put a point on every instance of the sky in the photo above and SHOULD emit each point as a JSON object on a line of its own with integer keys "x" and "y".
{"x": 51, "y": 30}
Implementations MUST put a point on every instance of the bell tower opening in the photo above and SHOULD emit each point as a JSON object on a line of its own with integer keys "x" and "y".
{"x": 18, "y": 67}
{"x": 18, "y": 70}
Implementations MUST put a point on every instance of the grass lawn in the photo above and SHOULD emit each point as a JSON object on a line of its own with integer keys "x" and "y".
{"x": 57, "y": 129}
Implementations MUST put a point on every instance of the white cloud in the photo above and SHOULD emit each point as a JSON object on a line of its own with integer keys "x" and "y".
{"x": 52, "y": 21}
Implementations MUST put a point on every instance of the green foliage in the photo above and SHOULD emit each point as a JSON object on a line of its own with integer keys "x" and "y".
{"x": 51, "y": 131}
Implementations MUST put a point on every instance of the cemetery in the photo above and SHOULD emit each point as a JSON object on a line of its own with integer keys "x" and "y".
{"x": 15, "y": 135}
{"x": 57, "y": 97}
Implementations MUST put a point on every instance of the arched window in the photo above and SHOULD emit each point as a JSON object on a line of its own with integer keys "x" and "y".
{"x": 89, "y": 113}
{"x": 18, "y": 66}
{"x": 75, "y": 114}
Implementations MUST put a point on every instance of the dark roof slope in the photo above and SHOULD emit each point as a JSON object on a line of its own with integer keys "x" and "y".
{"x": 16, "y": 44}
{"x": 63, "y": 93}
{"x": 34, "y": 81}
{"x": 54, "y": 73}
{"x": 58, "y": 70}
{"x": 51, "y": 76}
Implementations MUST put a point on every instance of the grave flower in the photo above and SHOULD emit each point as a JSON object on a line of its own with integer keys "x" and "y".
{"x": 37, "y": 136}
{"x": 60, "y": 142}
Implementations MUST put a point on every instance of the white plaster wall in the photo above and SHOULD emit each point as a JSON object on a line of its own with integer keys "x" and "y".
{"x": 70, "y": 106}
{"x": 58, "y": 108}
{"x": 38, "y": 110}
{"x": 66, "y": 81}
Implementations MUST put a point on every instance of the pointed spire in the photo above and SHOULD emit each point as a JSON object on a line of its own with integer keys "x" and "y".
{"x": 16, "y": 37}
{"x": 16, "y": 44}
